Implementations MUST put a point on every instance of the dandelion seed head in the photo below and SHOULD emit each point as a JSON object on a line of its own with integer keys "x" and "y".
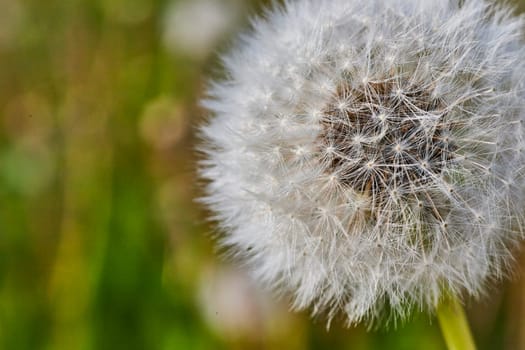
{"x": 364, "y": 156}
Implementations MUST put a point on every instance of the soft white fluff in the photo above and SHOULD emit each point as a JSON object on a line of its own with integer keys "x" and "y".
{"x": 369, "y": 155}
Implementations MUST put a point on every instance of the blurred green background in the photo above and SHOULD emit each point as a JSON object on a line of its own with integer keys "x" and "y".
{"x": 101, "y": 243}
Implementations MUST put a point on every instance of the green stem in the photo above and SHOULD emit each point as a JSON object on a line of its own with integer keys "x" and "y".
{"x": 454, "y": 325}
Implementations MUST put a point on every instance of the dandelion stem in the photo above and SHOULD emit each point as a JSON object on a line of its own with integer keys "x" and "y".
{"x": 454, "y": 325}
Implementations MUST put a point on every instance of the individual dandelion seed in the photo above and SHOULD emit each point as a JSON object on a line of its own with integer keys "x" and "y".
{"x": 366, "y": 156}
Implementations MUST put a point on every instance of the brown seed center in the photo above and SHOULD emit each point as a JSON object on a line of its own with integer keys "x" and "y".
{"x": 385, "y": 139}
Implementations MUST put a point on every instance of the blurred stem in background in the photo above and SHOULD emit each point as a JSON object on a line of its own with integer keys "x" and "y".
{"x": 86, "y": 182}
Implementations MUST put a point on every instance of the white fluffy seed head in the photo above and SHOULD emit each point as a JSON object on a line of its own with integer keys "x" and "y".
{"x": 370, "y": 155}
